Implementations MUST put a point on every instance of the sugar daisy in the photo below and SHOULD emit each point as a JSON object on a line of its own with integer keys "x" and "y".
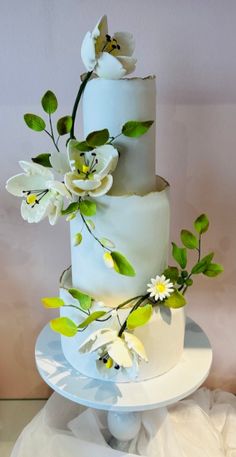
{"x": 160, "y": 288}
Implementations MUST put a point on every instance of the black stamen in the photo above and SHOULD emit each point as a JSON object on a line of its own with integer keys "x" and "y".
{"x": 82, "y": 154}
{"x": 118, "y": 46}
{"x": 108, "y": 38}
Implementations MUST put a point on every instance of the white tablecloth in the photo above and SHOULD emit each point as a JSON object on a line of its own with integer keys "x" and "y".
{"x": 203, "y": 425}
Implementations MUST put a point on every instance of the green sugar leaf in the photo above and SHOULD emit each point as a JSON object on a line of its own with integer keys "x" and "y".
{"x": 73, "y": 207}
{"x": 203, "y": 264}
{"x": 213, "y": 269}
{"x": 180, "y": 255}
{"x": 171, "y": 273}
{"x": 201, "y": 224}
{"x": 97, "y": 138}
{"x": 77, "y": 239}
{"x": 34, "y": 122}
{"x": 85, "y": 300}
{"x": 52, "y": 302}
{"x": 91, "y": 318}
{"x": 134, "y": 129}
{"x": 82, "y": 146}
{"x": 122, "y": 265}
{"x": 188, "y": 239}
{"x": 107, "y": 243}
{"x": 43, "y": 159}
{"x": 175, "y": 300}
{"x": 91, "y": 224}
{"x": 88, "y": 207}
{"x": 139, "y": 316}
{"x": 64, "y": 326}
{"x": 64, "y": 125}
{"x": 49, "y": 102}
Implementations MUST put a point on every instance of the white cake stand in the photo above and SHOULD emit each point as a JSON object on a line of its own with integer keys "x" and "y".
{"x": 125, "y": 401}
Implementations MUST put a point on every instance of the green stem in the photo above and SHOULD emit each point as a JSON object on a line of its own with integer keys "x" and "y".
{"x": 113, "y": 138}
{"x": 185, "y": 288}
{"x": 78, "y": 309}
{"x": 77, "y": 100}
{"x": 94, "y": 236}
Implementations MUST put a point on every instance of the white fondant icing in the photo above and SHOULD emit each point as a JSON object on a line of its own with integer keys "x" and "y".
{"x": 111, "y": 103}
{"x": 139, "y": 227}
{"x": 162, "y": 336}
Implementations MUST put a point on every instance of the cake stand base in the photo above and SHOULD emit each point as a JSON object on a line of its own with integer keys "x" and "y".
{"x": 125, "y": 401}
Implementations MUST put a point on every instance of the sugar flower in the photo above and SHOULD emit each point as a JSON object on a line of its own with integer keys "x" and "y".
{"x": 42, "y": 195}
{"x": 91, "y": 170}
{"x": 109, "y": 57}
{"x": 113, "y": 350}
{"x": 160, "y": 288}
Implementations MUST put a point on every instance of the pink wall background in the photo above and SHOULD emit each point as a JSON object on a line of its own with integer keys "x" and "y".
{"x": 191, "y": 47}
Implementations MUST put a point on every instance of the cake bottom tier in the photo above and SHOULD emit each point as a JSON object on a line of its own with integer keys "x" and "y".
{"x": 162, "y": 337}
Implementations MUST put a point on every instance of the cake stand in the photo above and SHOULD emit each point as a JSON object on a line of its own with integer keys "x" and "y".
{"x": 125, "y": 401}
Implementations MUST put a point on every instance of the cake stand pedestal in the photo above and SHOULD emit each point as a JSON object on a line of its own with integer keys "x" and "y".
{"x": 125, "y": 401}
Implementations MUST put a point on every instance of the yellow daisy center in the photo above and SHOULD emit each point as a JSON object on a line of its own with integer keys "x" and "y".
{"x": 31, "y": 199}
{"x": 160, "y": 287}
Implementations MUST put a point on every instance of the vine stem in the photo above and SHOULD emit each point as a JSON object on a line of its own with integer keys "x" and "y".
{"x": 77, "y": 100}
{"x": 92, "y": 234}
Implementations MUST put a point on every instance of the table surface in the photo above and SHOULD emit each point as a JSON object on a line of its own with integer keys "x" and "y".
{"x": 164, "y": 390}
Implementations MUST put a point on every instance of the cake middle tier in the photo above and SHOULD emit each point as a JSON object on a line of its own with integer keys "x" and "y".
{"x": 110, "y": 104}
{"x": 139, "y": 228}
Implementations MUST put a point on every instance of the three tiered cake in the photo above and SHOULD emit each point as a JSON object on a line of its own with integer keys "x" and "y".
{"x": 121, "y": 308}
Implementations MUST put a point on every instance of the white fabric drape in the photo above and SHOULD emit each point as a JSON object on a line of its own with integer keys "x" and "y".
{"x": 203, "y": 425}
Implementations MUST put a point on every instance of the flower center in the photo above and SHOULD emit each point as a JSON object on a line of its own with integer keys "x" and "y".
{"x": 88, "y": 168}
{"x": 160, "y": 288}
{"x": 110, "y": 45}
{"x": 33, "y": 197}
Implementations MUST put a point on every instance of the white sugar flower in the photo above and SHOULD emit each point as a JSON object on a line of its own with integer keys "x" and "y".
{"x": 160, "y": 288}
{"x": 109, "y": 57}
{"x": 42, "y": 195}
{"x": 113, "y": 350}
{"x": 91, "y": 170}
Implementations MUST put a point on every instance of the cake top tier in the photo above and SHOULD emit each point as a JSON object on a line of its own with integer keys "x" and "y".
{"x": 110, "y": 104}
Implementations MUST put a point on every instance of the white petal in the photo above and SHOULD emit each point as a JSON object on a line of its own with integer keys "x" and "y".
{"x": 36, "y": 213}
{"x": 88, "y": 54}
{"x": 19, "y": 183}
{"x": 109, "y": 67}
{"x": 119, "y": 352}
{"x": 107, "y": 157}
{"x": 126, "y": 42}
{"x": 136, "y": 345}
{"x": 105, "y": 186}
{"x": 88, "y": 343}
{"x": 101, "y": 28}
{"x": 60, "y": 188}
{"x": 59, "y": 162}
{"x": 128, "y": 63}
{"x": 54, "y": 210}
{"x": 69, "y": 182}
{"x": 87, "y": 184}
{"x": 75, "y": 159}
{"x": 32, "y": 169}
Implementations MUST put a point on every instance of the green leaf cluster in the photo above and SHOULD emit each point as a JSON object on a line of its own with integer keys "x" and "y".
{"x": 191, "y": 242}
